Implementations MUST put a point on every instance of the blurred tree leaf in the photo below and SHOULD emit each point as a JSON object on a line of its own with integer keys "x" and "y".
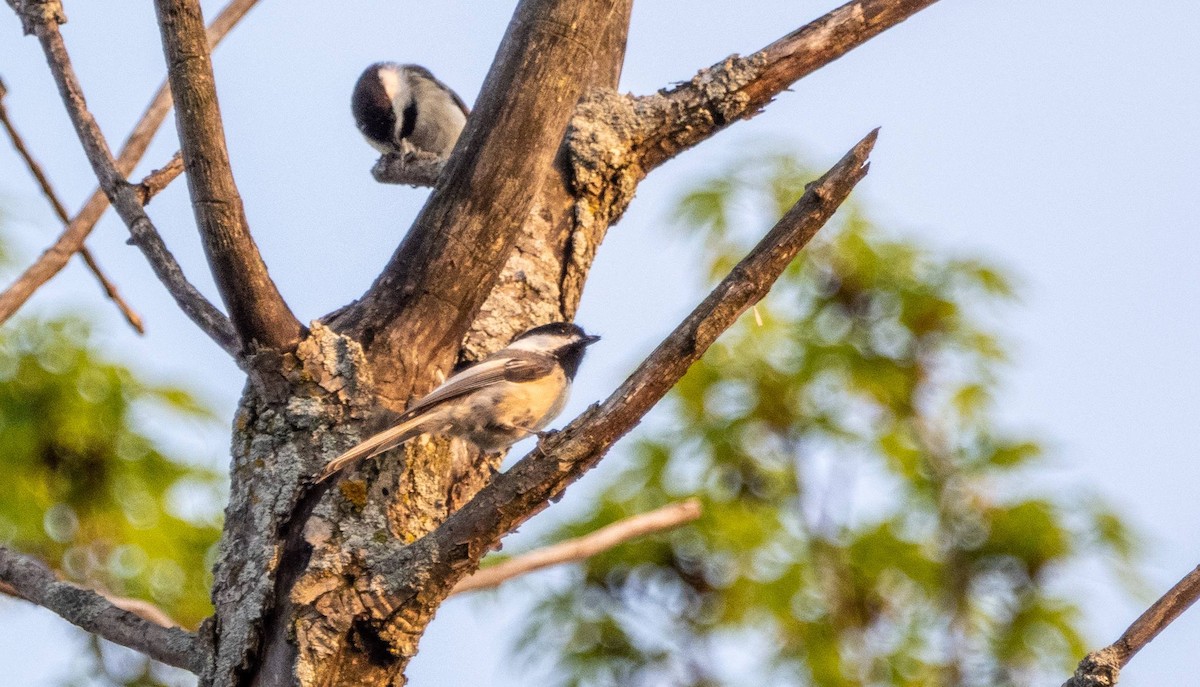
{"x": 867, "y": 521}
{"x": 90, "y": 493}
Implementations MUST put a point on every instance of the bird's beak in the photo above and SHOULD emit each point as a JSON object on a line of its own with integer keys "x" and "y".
{"x": 590, "y": 339}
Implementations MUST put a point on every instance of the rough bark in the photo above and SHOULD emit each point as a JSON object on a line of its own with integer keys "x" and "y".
{"x": 398, "y": 586}
{"x": 399, "y": 498}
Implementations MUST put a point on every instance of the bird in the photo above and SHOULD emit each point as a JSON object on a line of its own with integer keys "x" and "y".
{"x": 509, "y": 395}
{"x": 399, "y": 107}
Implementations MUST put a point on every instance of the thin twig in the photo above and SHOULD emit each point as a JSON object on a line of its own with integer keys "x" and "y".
{"x": 1102, "y": 668}
{"x": 259, "y": 314}
{"x": 124, "y": 196}
{"x": 39, "y": 175}
{"x": 582, "y": 548}
{"x": 53, "y": 259}
{"x": 33, "y": 581}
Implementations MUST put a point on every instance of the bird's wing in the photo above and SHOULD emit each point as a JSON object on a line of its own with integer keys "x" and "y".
{"x": 454, "y": 95}
{"x": 462, "y": 105}
{"x": 512, "y": 366}
{"x": 387, "y": 439}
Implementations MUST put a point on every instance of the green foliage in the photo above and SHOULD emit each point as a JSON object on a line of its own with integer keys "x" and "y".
{"x": 85, "y": 489}
{"x": 867, "y": 521}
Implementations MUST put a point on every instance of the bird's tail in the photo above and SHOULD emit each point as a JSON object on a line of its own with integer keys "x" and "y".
{"x": 387, "y": 439}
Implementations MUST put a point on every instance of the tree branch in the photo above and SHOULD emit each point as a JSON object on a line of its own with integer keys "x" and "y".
{"x": 39, "y": 175}
{"x": 582, "y": 548}
{"x": 42, "y": 19}
{"x": 259, "y": 314}
{"x": 410, "y": 582}
{"x": 739, "y": 87}
{"x": 33, "y": 581}
{"x": 423, "y": 303}
{"x": 415, "y": 168}
{"x": 139, "y": 607}
{"x": 1102, "y": 668}
{"x": 71, "y": 240}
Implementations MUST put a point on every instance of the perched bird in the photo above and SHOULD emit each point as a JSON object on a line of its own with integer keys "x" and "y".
{"x": 503, "y": 398}
{"x": 397, "y": 106}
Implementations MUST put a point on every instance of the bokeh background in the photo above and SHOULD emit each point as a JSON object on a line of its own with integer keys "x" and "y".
{"x": 1056, "y": 139}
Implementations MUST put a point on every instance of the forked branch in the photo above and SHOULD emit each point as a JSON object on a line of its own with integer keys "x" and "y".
{"x": 423, "y": 303}
{"x": 33, "y": 581}
{"x": 42, "y": 20}
{"x": 54, "y": 258}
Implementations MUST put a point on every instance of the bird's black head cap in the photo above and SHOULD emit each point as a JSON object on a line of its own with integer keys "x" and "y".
{"x": 575, "y": 342}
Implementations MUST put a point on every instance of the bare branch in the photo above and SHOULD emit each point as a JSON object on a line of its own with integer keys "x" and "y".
{"x": 39, "y": 176}
{"x": 33, "y": 581}
{"x": 410, "y": 582}
{"x": 139, "y": 607}
{"x": 1102, "y": 668}
{"x": 423, "y": 303}
{"x": 582, "y": 548}
{"x": 259, "y": 314}
{"x": 123, "y": 195}
{"x": 71, "y": 240}
{"x": 739, "y": 87}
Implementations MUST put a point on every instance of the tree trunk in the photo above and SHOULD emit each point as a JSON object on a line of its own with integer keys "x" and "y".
{"x": 303, "y": 593}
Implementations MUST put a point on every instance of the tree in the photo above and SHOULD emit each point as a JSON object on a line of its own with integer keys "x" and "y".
{"x": 336, "y": 586}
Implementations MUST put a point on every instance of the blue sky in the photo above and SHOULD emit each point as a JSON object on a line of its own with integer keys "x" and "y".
{"x": 1058, "y": 139}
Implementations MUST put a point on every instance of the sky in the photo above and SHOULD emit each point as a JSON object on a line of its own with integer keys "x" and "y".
{"x": 1057, "y": 139}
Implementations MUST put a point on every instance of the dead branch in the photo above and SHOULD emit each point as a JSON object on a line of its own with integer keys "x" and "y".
{"x": 54, "y": 258}
{"x": 410, "y": 582}
{"x": 1102, "y": 668}
{"x": 43, "y": 19}
{"x": 39, "y": 175}
{"x": 33, "y": 581}
{"x": 739, "y": 87}
{"x": 257, "y": 309}
{"x": 582, "y": 548}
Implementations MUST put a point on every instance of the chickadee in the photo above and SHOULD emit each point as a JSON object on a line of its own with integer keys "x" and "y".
{"x": 503, "y": 398}
{"x": 401, "y": 105}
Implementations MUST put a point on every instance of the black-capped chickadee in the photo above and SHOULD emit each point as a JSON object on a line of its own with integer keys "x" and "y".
{"x": 401, "y": 105}
{"x": 494, "y": 403}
